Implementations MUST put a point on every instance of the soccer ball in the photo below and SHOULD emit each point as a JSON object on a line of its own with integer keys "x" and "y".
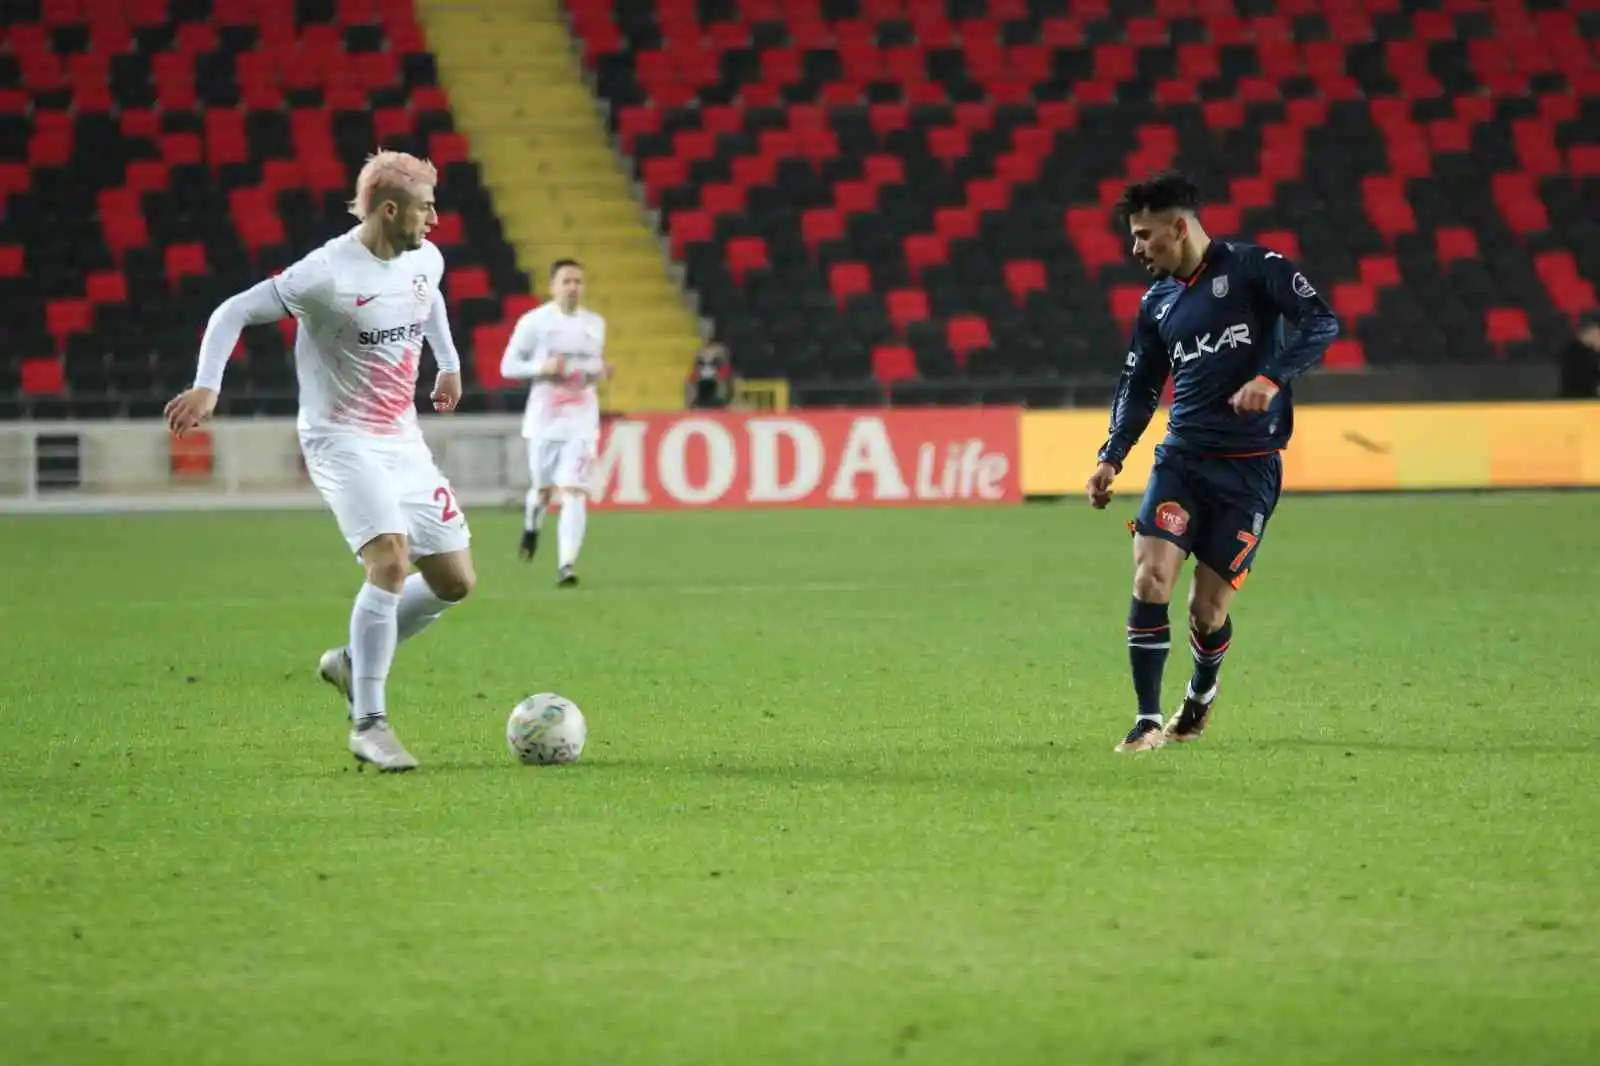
{"x": 546, "y": 729}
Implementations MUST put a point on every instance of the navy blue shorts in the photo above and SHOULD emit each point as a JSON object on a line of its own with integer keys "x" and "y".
{"x": 1216, "y": 509}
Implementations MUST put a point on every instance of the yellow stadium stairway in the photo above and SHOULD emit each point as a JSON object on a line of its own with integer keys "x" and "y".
{"x": 559, "y": 188}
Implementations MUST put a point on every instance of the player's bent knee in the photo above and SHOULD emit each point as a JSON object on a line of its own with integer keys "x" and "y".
{"x": 451, "y": 576}
{"x": 455, "y": 587}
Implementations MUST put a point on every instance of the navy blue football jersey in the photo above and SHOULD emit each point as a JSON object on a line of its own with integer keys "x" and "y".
{"x": 1246, "y": 312}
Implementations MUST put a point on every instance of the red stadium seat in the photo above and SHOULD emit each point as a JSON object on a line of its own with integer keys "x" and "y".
{"x": 1284, "y": 242}
{"x": 468, "y": 283}
{"x": 906, "y": 306}
{"x": 892, "y": 363}
{"x": 1453, "y": 243}
{"x": 1345, "y": 354}
{"x": 1024, "y": 277}
{"x": 746, "y": 254}
{"x": 848, "y": 279}
{"x": 690, "y": 228}
{"x": 1125, "y": 303}
{"x": 966, "y": 334}
{"x": 1506, "y": 325}
{"x": 66, "y": 317}
{"x": 821, "y": 225}
{"x": 106, "y": 287}
{"x": 1354, "y": 300}
{"x": 923, "y": 251}
{"x": 185, "y": 260}
{"x": 43, "y": 377}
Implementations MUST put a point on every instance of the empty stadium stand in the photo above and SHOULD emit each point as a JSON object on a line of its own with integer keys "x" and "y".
{"x": 910, "y": 194}
{"x": 159, "y": 155}
{"x": 917, "y": 192}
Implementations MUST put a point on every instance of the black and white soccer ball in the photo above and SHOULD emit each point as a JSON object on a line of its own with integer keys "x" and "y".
{"x": 546, "y": 729}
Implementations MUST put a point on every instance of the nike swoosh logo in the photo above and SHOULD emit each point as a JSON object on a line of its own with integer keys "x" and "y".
{"x": 362, "y": 301}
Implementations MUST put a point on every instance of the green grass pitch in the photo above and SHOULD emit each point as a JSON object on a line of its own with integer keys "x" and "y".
{"x": 849, "y": 797}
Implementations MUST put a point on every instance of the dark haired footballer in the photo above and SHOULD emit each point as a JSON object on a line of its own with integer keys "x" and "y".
{"x": 1234, "y": 324}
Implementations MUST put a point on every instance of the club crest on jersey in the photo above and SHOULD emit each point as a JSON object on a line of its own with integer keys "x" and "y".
{"x": 1219, "y": 286}
{"x": 419, "y": 288}
{"x": 1172, "y": 518}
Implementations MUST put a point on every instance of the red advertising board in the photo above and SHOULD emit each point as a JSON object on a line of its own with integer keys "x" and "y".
{"x": 866, "y": 458}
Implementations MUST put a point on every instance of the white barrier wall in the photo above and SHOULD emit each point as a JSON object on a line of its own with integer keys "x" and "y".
{"x": 127, "y": 465}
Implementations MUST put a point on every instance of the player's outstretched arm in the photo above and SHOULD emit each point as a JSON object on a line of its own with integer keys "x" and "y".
{"x": 436, "y": 329}
{"x": 258, "y": 305}
{"x": 1315, "y": 324}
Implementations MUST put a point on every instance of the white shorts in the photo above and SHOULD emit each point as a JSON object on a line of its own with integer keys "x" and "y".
{"x": 562, "y": 464}
{"x": 376, "y": 486}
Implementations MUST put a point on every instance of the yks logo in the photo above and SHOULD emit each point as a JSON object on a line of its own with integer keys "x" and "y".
{"x": 1235, "y": 336}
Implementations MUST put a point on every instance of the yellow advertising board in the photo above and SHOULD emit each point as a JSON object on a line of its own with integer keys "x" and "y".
{"x": 1339, "y": 448}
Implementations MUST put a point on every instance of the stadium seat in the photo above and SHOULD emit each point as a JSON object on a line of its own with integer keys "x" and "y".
{"x": 892, "y": 363}
{"x": 966, "y": 157}
{"x": 42, "y": 377}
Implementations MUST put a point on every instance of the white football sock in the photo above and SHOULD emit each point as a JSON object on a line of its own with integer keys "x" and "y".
{"x": 569, "y": 531}
{"x": 532, "y": 511}
{"x": 419, "y": 608}
{"x": 372, "y": 640}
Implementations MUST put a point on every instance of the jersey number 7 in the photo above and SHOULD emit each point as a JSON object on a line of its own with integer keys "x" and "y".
{"x": 1249, "y": 541}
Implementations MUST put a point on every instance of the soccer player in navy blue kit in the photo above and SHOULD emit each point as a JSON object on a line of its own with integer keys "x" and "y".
{"x": 1234, "y": 324}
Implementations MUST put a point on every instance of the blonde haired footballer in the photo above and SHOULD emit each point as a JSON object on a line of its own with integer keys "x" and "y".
{"x": 364, "y": 302}
{"x": 559, "y": 347}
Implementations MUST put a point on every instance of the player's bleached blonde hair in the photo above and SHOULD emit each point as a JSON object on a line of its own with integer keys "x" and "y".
{"x": 398, "y": 171}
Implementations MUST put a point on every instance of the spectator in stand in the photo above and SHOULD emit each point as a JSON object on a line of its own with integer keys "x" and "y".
{"x": 710, "y": 382}
{"x": 1580, "y": 363}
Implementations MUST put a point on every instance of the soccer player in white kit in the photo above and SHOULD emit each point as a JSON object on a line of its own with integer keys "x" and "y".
{"x": 560, "y": 347}
{"x": 364, "y": 302}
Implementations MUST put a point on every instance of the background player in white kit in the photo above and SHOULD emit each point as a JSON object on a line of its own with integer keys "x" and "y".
{"x": 364, "y": 302}
{"x": 560, "y": 347}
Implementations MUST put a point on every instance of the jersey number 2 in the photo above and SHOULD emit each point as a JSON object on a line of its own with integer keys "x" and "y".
{"x": 447, "y": 501}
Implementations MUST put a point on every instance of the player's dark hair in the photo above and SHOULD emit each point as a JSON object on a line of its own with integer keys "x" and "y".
{"x": 555, "y": 268}
{"x": 1166, "y": 191}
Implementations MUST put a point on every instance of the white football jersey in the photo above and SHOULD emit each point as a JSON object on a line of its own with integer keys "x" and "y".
{"x": 361, "y": 325}
{"x": 557, "y": 410}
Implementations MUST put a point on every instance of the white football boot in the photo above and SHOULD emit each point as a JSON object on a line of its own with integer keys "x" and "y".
{"x": 373, "y": 741}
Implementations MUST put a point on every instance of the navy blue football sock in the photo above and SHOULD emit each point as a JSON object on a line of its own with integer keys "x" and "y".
{"x": 1149, "y": 637}
{"x": 1208, "y": 650}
